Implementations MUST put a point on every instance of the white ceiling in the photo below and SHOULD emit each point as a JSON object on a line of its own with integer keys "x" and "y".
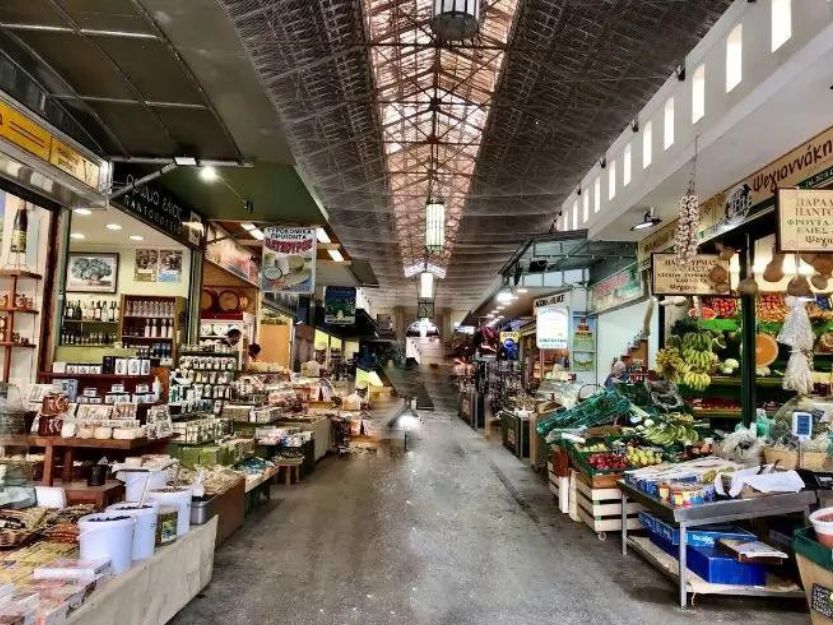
{"x": 95, "y": 231}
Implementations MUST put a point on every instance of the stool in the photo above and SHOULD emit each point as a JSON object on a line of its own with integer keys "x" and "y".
{"x": 291, "y": 467}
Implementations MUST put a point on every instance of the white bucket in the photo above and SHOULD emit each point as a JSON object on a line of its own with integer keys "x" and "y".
{"x": 107, "y": 535}
{"x": 823, "y": 527}
{"x": 136, "y": 482}
{"x": 180, "y": 497}
{"x": 144, "y": 534}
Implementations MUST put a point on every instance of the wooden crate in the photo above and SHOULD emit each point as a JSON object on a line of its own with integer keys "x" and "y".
{"x": 601, "y": 508}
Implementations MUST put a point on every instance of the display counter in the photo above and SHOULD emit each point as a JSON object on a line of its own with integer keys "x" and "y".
{"x": 322, "y": 433}
{"x": 154, "y": 591}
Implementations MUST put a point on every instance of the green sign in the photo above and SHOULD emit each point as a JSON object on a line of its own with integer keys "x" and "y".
{"x": 620, "y": 288}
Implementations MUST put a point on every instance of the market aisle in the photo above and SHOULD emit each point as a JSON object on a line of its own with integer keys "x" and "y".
{"x": 454, "y": 532}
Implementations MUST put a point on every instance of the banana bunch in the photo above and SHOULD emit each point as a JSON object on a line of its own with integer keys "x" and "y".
{"x": 698, "y": 341}
{"x": 696, "y": 381}
{"x": 670, "y": 364}
{"x": 699, "y": 361}
{"x": 668, "y": 433}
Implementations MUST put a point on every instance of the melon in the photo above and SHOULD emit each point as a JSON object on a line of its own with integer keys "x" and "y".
{"x": 766, "y": 350}
{"x": 705, "y": 313}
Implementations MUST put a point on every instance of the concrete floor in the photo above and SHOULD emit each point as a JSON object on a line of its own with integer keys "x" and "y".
{"x": 455, "y": 531}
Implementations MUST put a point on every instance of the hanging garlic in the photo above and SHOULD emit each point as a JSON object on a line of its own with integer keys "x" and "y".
{"x": 685, "y": 240}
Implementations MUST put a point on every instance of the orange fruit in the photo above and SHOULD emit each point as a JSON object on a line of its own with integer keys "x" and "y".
{"x": 766, "y": 350}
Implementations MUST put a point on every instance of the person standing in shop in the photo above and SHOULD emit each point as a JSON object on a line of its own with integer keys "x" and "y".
{"x": 618, "y": 375}
{"x": 254, "y": 352}
{"x": 233, "y": 337}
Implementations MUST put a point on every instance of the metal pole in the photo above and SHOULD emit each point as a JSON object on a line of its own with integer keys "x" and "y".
{"x": 143, "y": 180}
{"x": 747, "y": 370}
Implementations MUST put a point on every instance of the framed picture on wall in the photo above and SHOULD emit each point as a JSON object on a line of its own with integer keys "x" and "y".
{"x": 92, "y": 272}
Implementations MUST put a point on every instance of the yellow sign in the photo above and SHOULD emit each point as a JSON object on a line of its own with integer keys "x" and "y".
{"x": 510, "y": 336}
{"x": 23, "y": 132}
{"x": 805, "y": 220}
{"x": 73, "y": 163}
{"x": 669, "y": 278}
{"x": 28, "y": 135}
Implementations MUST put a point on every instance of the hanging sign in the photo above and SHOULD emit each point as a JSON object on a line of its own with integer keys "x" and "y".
{"x": 225, "y": 252}
{"x": 340, "y": 305}
{"x": 805, "y": 220}
{"x": 551, "y": 300}
{"x": 27, "y": 134}
{"x": 620, "y": 288}
{"x": 158, "y": 207}
{"x": 552, "y": 327}
{"x": 288, "y": 260}
{"x": 668, "y": 277}
{"x": 512, "y": 337}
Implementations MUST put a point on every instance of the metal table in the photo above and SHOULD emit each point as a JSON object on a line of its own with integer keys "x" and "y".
{"x": 709, "y": 514}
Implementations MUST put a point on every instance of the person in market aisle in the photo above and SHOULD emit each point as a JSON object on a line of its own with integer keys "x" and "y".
{"x": 618, "y": 374}
{"x": 254, "y": 352}
{"x": 233, "y": 337}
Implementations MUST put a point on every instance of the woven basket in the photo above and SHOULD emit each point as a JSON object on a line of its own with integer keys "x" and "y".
{"x": 814, "y": 460}
{"x": 786, "y": 459}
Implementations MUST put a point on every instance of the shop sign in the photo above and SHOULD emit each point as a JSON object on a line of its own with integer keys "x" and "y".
{"x": 552, "y": 327}
{"x": 668, "y": 277}
{"x": 158, "y": 207}
{"x": 808, "y": 166}
{"x": 805, "y": 220}
{"x": 620, "y": 288}
{"x": 340, "y": 305}
{"x": 551, "y": 300}
{"x": 288, "y": 260}
{"x": 514, "y": 337}
{"x": 224, "y": 251}
{"x": 19, "y": 129}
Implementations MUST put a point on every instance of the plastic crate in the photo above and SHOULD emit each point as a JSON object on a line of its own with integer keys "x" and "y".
{"x": 713, "y": 566}
{"x": 705, "y": 536}
{"x": 805, "y": 544}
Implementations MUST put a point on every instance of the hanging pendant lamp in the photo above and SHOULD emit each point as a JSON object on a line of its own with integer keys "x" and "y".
{"x": 455, "y": 20}
{"x": 435, "y": 225}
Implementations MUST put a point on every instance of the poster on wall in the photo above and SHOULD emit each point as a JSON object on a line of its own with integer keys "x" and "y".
{"x": 170, "y": 265}
{"x": 288, "y": 260}
{"x": 805, "y": 220}
{"x": 146, "y": 266}
{"x": 669, "y": 278}
{"x": 584, "y": 343}
{"x": 92, "y": 273}
{"x": 552, "y": 327}
{"x": 340, "y": 305}
{"x": 618, "y": 289}
{"x": 509, "y": 344}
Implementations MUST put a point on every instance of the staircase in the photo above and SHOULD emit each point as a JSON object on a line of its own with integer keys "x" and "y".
{"x": 409, "y": 383}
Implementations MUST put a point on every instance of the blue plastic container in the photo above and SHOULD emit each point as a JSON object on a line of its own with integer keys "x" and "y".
{"x": 705, "y": 536}
{"x": 714, "y": 566}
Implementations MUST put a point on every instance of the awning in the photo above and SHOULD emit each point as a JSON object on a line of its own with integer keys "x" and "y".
{"x": 365, "y": 326}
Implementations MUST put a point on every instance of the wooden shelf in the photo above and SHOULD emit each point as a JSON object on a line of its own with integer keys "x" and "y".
{"x": 87, "y": 344}
{"x": 104, "y": 377}
{"x": 28, "y": 311}
{"x": 79, "y": 443}
{"x": 19, "y": 273}
{"x": 95, "y": 321}
{"x": 11, "y": 344}
{"x": 148, "y": 316}
{"x": 144, "y": 338}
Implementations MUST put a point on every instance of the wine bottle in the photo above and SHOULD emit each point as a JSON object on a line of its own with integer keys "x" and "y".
{"x": 68, "y": 310}
{"x": 19, "y": 230}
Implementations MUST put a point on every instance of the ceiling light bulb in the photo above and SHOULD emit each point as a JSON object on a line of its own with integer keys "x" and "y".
{"x": 77, "y": 235}
{"x": 648, "y": 221}
{"x": 136, "y": 237}
{"x": 185, "y": 161}
{"x": 322, "y": 236}
{"x": 82, "y": 211}
{"x": 209, "y": 173}
{"x": 113, "y": 226}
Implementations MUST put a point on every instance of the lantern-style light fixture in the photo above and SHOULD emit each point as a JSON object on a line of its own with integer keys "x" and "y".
{"x": 426, "y": 285}
{"x": 435, "y": 225}
{"x": 455, "y": 20}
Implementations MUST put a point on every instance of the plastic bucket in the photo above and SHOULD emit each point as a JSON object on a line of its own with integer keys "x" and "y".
{"x": 144, "y": 534}
{"x": 135, "y": 482}
{"x": 822, "y": 521}
{"x": 107, "y": 535}
{"x": 179, "y": 497}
